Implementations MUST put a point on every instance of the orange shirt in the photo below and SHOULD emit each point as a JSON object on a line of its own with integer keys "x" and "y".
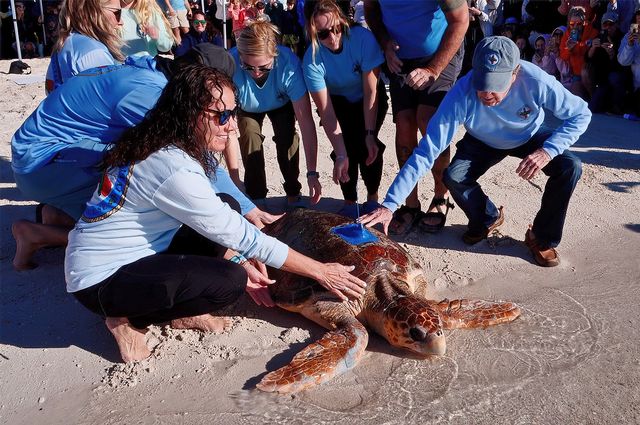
{"x": 575, "y": 56}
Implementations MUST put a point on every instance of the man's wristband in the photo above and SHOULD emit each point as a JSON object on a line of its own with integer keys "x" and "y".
{"x": 313, "y": 174}
{"x": 369, "y": 132}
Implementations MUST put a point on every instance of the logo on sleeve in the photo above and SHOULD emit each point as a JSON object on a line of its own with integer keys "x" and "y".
{"x": 112, "y": 193}
{"x": 524, "y": 112}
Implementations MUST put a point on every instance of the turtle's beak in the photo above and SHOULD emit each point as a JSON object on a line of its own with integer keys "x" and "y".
{"x": 428, "y": 343}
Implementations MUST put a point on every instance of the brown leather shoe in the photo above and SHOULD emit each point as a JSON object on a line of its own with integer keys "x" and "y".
{"x": 472, "y": 238}
{"x": 544, "y": 256}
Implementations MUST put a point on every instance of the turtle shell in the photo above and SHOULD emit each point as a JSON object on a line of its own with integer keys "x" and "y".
{"x": 309, "y": 232}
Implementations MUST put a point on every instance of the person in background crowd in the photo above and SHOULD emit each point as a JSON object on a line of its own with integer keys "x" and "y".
{"x": 501, "y": 104}
{"x": 275, "y": 10}
{"x": 573, "y": 47}
{"x": 27, "y": 32}
{"x": 341, "y": 68}
{"x": 526, "y": 53}
{"x": 624, "y": 10}
{"x": 422, "y": 43}
{"x": 271, "y": 84}
{"x": 629, "y": 55}
{"x": 157, "y": 244}
{"x": 198, "y": 34}
{"x": 178, "y": 13}
{"x": 292, "y": 32}
{"x": 145, "y": 30}
{"x": 605, "y": 79}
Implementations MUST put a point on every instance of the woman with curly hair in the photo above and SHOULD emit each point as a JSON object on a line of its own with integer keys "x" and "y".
{"x": 341, "y": 69}
{"x": 88, "y": 37}
{"x": 157, "y": 244}
{"x": 270, "y": 83}
{"x": 145, "y": 29}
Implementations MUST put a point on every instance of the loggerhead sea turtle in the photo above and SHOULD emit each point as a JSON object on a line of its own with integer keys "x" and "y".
{"x": 394, "y": 304}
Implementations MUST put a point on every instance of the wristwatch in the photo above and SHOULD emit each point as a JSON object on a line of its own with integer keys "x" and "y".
{"x": 313, "y": 174}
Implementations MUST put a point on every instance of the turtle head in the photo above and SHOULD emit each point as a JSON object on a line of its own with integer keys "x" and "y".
{"x": 414, "y": 324}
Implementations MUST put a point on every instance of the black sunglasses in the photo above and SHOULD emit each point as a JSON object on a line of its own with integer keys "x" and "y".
{"x": 117, "y": 12}
{"x": 323, "y": 34}
{"x": 224, "y": 116}
{"x": 261, "y": 68}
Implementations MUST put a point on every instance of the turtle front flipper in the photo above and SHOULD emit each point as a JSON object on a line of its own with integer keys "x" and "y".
{"x": 457, "y": 314}
{"x": 335, "y": 353}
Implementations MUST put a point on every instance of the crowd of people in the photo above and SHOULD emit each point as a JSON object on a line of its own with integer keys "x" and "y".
{"x": 156, "y": 231}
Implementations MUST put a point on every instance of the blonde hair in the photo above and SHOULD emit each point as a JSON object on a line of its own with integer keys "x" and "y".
{"x": 144, "y": 10}
{"x": 257, "y": 39}
{"x": 337, "y": 18}
{"x": 87, "y": 17}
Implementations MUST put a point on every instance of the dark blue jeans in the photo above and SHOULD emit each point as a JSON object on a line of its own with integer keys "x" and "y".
{"x": 473, "y": 158}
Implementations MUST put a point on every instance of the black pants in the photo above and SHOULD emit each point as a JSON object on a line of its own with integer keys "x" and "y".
{"x": 188, "y": 279}
{"x": 351, "y": 118}
{"x": 287, "y": 143}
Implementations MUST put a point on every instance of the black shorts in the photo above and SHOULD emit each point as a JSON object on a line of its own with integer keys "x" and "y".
{"x": 404, "y": 97}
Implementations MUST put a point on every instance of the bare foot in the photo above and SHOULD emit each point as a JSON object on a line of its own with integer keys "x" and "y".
{"x": 24, "y": 234}
{"x": 130, "y": 340}
{"x": 203, "y": 322}
{"x": 30, "y": 237}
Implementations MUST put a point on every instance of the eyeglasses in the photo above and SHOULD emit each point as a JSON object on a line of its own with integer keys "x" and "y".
{"x": 261, "y": 68}
{"x": 198, "y": 22}
{"x": 117, "y": 12}
{"x": 224, "y": 116}
{"x": 323, "y": 34}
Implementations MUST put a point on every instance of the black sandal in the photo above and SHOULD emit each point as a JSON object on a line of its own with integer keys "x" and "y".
{"x": 399, "y": 217}
{"x": 437, "y": 203}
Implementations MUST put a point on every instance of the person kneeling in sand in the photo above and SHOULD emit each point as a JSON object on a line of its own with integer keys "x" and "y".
{"x": 154, "y": 242}
{"x": 500, "y": 103}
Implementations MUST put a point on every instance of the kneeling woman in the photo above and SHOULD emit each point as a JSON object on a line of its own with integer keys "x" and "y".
{"x": 154, "y": 242}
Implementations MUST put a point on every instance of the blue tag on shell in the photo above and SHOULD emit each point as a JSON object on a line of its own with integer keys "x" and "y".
{"x": 354, "y": 234}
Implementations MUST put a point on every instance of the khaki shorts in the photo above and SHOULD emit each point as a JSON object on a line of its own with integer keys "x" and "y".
{"x": 179, "y": 20}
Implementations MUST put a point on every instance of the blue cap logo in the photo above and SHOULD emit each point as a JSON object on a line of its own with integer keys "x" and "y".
{"x": 492, "y": 60}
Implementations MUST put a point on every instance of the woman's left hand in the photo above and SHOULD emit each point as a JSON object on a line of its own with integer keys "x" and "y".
{"x": 258, "y": 283}
{"x": 260, "y": 218}
{"x": 372, "y": 149}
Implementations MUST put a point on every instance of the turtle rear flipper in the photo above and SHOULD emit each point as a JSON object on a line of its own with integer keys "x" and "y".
{"x": 475, "y": 313}
{"x": 335, "y": 353}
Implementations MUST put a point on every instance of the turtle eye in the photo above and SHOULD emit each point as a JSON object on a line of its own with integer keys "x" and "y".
{"x": 439, "y": 333}
{"x": 418, "y": 333}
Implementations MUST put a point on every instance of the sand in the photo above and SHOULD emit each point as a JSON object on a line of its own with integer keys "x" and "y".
{"x": 572, "y": 357}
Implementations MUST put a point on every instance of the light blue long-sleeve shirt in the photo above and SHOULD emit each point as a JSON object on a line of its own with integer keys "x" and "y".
{"x": 136, "y": 211}
{"x": 507, "y": 125}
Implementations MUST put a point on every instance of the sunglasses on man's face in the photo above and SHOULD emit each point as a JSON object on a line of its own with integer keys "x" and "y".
{"x": 323, "y": 34}
{"x": 223, "y": 116}
{"x": 261, "y": 68}
{"x": 198, "y": 22}
{"x": 117, "y": 12}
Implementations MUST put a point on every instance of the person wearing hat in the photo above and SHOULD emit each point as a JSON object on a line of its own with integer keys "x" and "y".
{"x": 501, "y": 104}
{"x": 604, "y": 77}
{"x": 57, "y": 151}
{"x": 157, "y": 244}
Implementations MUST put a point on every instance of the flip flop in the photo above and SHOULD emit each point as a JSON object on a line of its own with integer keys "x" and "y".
{"x": 437, "y": 203}
{"x": 406, "y": 224}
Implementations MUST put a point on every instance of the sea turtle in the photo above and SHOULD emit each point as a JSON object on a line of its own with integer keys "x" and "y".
{"x": 394, "y": 304}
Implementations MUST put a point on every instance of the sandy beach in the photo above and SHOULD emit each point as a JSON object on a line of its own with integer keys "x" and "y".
{"x": 573, "y": 357}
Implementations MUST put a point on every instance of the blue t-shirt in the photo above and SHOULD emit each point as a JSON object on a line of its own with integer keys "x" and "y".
{"x": 507, "y": 125}
{"x": 78, "y": 54}
{"x": 417, "y": 26}
{"x": 95, "y": 106}
{"x": 177, "y": 5}
{"x": 285, "y": 83}
{"x": 341, "y": 73}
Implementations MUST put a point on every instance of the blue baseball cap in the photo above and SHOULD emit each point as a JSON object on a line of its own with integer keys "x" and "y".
{"x": 494, "y": 61}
